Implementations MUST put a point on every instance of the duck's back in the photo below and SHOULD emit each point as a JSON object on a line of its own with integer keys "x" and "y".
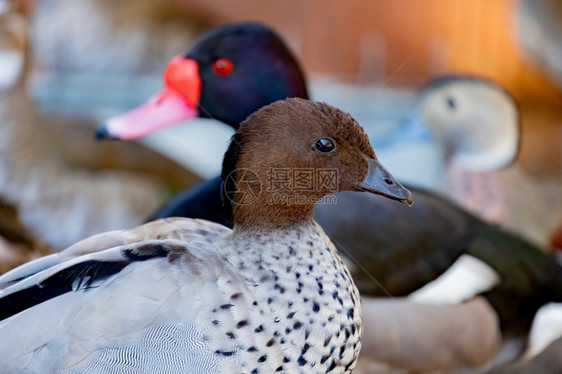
{"x": 167, "y": 305}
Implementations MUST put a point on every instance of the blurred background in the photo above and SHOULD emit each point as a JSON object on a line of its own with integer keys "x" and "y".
{"x": 90, "y": 59}
{"x": 87, "y": 60}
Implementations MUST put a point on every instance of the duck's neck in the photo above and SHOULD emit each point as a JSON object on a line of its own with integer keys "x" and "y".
{"x": 256, "y": 250}
{"x": 251, "y": 246}
{"x": 274, "y": 212}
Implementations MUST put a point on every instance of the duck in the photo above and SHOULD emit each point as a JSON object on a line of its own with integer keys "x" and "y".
{"x": 477, "y": 122}
{"x": 513, "y": 277}
{"x": 52, "y": 203}
{"x": 189, "y": 295}
{"x": 17, "y": 244}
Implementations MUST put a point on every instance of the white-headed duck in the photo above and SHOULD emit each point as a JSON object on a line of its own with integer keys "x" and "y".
{"x": 478, "y": 124}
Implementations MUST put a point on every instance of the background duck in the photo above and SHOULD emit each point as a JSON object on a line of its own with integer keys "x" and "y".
{"x": 55, "y": 204}
{"x": 270, "y": 295}
{"x": 478, "y": 124}
{"x": 404, "y": 336}
{"x": 17, "y": 244}
{"x": 385, "y": 262}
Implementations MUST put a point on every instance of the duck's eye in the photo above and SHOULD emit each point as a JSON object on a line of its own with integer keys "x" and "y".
{"x": 223, "y": 66}
{"x": 451, "y": 104}
{"x": 325, "y": 145}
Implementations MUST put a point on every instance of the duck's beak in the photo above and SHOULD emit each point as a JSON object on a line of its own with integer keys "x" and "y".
{"x": 176, "y": 102}
{"x": 379, "y": 181}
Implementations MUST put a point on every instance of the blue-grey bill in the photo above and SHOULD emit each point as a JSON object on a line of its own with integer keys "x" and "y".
{"x": 379, "y": 181}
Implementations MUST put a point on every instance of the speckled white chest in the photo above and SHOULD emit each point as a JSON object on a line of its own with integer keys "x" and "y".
{"x": 299, "y": 312}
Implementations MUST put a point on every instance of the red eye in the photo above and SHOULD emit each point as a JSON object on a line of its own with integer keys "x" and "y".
{"x": 223, "y": 66}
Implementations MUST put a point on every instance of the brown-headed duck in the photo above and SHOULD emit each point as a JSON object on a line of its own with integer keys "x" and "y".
{"x": 188, "y": 295}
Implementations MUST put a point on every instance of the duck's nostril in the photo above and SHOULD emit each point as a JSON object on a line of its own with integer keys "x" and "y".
{"x": 390, "y": 182}
{"x": 102, "y": 132}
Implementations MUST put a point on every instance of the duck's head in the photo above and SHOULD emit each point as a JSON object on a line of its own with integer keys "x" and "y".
{"x": 229, "y": 73}
{"x": 476, "y": 121}
{"x": 288, "y": 155}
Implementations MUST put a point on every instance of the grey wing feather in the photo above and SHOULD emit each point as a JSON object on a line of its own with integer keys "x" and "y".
{"x": 75, "y": 322}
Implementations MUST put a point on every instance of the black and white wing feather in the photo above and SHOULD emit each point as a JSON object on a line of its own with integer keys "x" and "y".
{"x": 124, "y": 309}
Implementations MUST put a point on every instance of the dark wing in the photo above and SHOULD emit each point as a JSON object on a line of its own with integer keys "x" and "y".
{"x": 529, "y": 276}
{"x": 397, "y": 249}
